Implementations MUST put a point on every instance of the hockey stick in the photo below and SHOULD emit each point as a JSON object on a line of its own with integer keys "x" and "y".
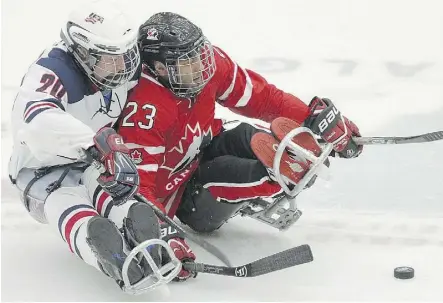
{"x": 428, "y": 137}
{"x": 284, "y": 259}
{"x": 197, "y": 240}
{"x": 86, "y": 157}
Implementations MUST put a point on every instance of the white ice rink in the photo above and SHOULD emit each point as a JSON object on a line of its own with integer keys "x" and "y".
{"x": 381, "y": 62}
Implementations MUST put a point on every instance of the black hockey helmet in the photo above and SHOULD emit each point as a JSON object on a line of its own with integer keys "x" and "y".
{"x": 177, "y": 53}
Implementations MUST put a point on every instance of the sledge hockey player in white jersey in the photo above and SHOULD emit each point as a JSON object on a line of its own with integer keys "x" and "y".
{"x": 68, "y": 101}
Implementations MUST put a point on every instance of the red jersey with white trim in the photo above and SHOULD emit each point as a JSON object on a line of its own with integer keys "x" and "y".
{"x": 166, "y": 133}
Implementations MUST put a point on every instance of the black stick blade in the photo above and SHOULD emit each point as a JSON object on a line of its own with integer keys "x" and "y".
{"x": 288, "y": 258}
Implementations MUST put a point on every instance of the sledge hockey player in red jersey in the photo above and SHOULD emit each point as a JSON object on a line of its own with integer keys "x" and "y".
{"x": 193, "y": 166}
{"x": 67, "y": 101}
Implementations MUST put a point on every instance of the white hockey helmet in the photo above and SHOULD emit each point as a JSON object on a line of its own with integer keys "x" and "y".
{"x": 104, "y": 43}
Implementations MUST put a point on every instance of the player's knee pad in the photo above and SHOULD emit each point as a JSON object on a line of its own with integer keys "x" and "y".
{"x": 35, "y": 186}
{"x": 200, "y": 211}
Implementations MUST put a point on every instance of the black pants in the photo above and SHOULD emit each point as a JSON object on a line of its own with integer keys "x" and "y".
{"x": 229, "y": 158}
{"x": 228, "y": 177}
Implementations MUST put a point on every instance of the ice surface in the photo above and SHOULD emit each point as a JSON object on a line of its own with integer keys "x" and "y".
{"x": 382, "y": 64}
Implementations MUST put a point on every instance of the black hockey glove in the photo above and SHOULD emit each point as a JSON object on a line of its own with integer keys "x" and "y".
{"x": 120, "y": 178}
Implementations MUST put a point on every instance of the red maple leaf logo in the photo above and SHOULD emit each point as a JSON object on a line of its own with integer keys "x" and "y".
{"x": 136, "y": 156}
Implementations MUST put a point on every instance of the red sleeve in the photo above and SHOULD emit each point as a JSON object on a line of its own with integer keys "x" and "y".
{"x": 249, "y": 94}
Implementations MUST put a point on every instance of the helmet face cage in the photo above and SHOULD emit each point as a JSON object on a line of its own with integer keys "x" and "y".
{"x": 191, "y": 71}
{"x": 107, "y": 70}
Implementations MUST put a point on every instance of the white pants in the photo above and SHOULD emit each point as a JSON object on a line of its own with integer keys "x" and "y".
{"x": 71, "y": 206}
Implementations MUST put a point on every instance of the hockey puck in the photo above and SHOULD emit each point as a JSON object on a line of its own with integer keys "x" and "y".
{"x": 404, "y": 272}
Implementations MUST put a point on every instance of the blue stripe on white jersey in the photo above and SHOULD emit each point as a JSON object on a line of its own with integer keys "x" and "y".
{"x": 69, "y": 108}
{"x": 33, "y": 108}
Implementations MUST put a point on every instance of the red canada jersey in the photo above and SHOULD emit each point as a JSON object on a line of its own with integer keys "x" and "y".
{"x": 165, "y": 133}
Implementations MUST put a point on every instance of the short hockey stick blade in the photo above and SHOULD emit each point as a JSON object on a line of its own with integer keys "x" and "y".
{"x": 429, "y": 137}
{"x": 284, "y": 259}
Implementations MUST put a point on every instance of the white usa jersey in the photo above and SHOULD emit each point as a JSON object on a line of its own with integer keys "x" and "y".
{"x": 57, "y": 112}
